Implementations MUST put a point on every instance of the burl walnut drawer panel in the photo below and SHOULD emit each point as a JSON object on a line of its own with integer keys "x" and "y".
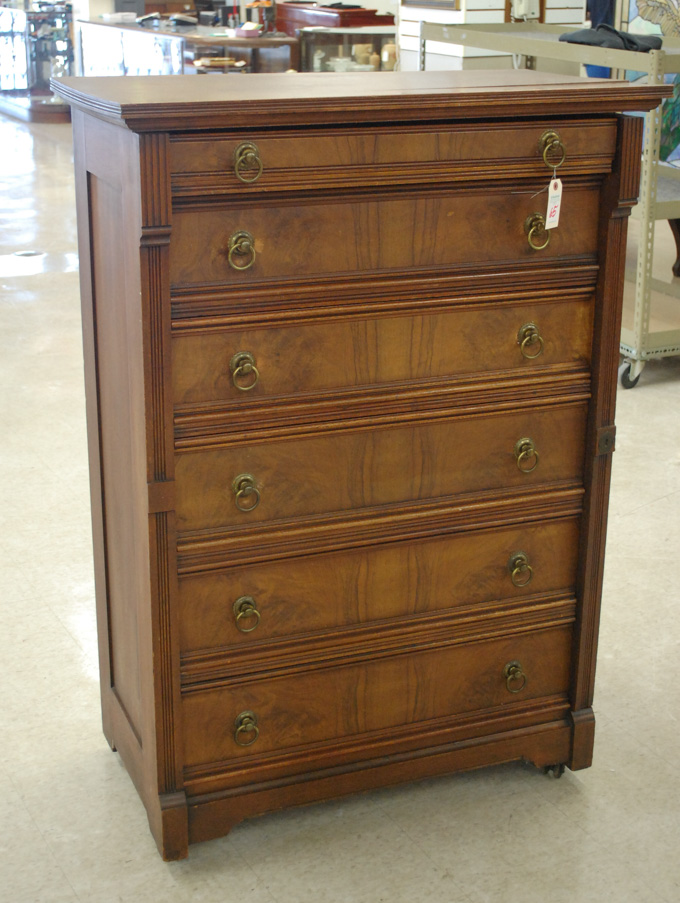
{"x": 350, "y": 469}
{"x": 342, "y": 353}
{"x": 300, "y": 707}
{"x": 294, "y": 597}
{"x": 262, "y": 162}
{"x": 330, "y": 236}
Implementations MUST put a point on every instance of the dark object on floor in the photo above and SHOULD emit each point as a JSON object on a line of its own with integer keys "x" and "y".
{"x": 605, "y": 36}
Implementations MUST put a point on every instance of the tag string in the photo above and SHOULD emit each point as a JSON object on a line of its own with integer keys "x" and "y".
{"x": 548, "y": 186}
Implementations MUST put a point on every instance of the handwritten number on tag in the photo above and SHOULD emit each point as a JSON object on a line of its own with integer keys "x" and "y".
{"x": 554, "y": 203}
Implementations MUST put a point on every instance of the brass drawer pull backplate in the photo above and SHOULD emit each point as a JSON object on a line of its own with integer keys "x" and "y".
{"x": 552, "y": 149}
{"x": 537, "y": 235}
{"x": 521, "y": 571}
{"x": 244, "y": 373}
{"x": 246, "y": 615}
{"x": 246, "y": 730}
{"x": 247, "y": 163}
{"x": 530, "y": 341}
{"x": 515, "y": 678}
{"x": 241, "y": 248}
{"x": 246, "y": 493}
{"x": 525, "y": 454}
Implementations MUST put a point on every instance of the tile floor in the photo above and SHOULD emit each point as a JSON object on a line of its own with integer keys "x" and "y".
{"x": 73, "y": 828}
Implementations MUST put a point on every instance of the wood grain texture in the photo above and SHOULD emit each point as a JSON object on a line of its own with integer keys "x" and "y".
{"x": 156, "y": 216}
{"x": 204, "y": 164}
{"x": 330, "y": 356}
{"x": 392, "y": 276}
{"x": 266, "y": 773}
{"x": 427, "y": 231}
{"x": 305, "y": 596}
{"x": 378, "y": 640}
{"x": 89, "y": 326}
{"x": 123, "y": 541}
{"x": 330, "y": 703}
{"x": 607, "y": 329}
{"x": 214, "y": 812}
{"x": 214, "y": 425}
{"x": 471, "y": 285}
{"x": 205, "y": 551}
{"x": 130, "y": 580}
{"x": 377, "y": 467}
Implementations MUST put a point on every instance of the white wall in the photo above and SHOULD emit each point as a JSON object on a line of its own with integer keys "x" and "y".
{"x": 472, "y": 12}
{"x": 91, "y": 9}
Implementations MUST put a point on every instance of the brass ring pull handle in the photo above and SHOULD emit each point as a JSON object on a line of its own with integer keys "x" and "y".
{"x": 244, "y": 488}
{"x": 241, "y": 245}
{"x": 529, "y": 338}
{"x": 552, "y": 149}
{"x": 246, "y": 730}
{"x": 244, "y": 373}
{"x": 525, "y": 453}
{"x": 247, "y": 163}
{"x": 521, "y": 571}
{"x": 537, "y": 235}
{"x": 245, "y": 610}
{"x": 515, "y": 678}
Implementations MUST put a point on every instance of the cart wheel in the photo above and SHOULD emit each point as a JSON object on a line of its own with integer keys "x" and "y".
{"x": 556, "y": 770}
{"x": 626, "y": 381}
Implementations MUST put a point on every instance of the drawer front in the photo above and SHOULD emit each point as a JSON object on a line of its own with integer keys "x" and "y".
{"x": 306, "y": 707}
{"x": 332, "y": 237}
{"x": 233, "y": 365}
{"x": 260, "y": 162}
{"x": 298, "y": 597}
{"x": 345, "y": 470}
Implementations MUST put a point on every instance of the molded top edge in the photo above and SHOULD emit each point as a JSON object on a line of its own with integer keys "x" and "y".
{"x": 151, "y": 103}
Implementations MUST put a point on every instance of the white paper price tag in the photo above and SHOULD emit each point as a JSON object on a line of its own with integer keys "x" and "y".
{"x": 552, "y": 217}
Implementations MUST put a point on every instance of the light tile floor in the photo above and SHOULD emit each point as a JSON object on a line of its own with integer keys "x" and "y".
{"x": 73, "y": 828}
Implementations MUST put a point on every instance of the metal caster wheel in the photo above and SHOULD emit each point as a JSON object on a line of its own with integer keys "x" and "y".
{"x": 624, "y": 375}
{"x": 556, "y": 770}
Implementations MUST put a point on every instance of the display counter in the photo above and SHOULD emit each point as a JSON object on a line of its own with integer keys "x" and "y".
{"x": 348, "y": 49}
{"x": 129, "y": 50}
{"x": 163, "y": 49}
{"x": 34, "y": 46}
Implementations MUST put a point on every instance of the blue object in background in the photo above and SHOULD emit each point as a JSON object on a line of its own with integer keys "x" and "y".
{"x": 597, "y": 71}
{"x": 599, "y": 11}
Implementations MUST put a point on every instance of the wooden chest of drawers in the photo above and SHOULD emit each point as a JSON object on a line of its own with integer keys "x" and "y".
{"x": 351, "y": 420}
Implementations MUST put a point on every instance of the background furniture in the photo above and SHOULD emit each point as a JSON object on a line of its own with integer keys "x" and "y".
{"x": 34, "y": 46}
{"x": 639, "y": 342}
{"x": 351, "y": 416}
{"x": 291, "y": 17}
{"x": 266, "y": 53}
{"x": 325, "y": 49}
{"x": 113, "y": 49}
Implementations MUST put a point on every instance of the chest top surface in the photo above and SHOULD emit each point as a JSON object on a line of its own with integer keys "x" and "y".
{"x": 153, "y": 103}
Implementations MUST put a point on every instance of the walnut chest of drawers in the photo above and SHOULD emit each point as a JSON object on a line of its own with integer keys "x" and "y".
{"x": 350, "y": 416}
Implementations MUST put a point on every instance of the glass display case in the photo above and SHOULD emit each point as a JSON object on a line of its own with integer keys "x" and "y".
{"x": 348, "y": 49}
{"x": 35, "y": 44}
{"x": 161, "y": 49}
{"x": 121, "y": 50}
